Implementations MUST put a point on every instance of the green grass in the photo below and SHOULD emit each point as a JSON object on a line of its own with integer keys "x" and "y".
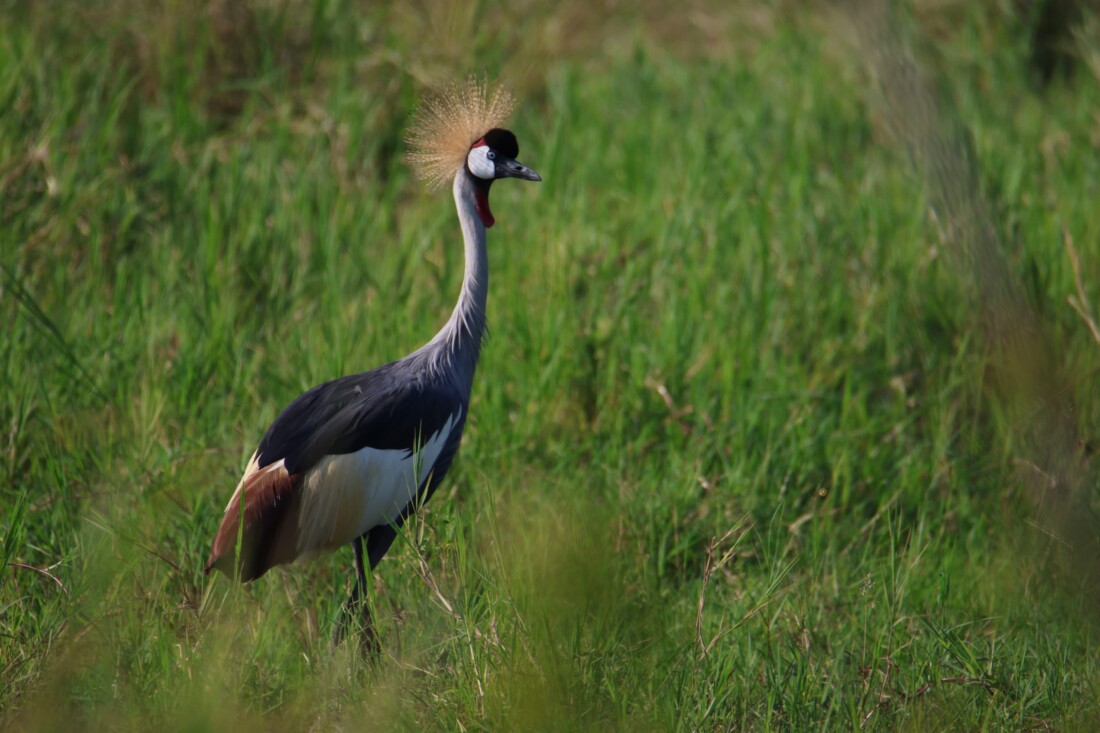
{"x": 741, "y": 455}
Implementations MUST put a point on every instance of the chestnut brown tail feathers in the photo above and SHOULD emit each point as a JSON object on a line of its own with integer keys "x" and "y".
{"x": 270, "y": 536}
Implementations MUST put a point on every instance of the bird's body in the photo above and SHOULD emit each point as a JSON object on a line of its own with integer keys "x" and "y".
{"x": 326, "y": 473}
{"x": 349, "y": 460}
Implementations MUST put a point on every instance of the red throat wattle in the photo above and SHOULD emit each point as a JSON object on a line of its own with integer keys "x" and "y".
{"x": 481, "y": 197}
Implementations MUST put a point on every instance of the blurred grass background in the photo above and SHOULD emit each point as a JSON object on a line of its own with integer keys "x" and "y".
{"x": 752, "y": 446}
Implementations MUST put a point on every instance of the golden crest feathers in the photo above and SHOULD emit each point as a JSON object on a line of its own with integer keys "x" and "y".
{"x": 446, "y": 124}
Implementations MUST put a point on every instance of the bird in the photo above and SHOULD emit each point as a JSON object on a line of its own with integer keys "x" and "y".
{"x": 350, "y": 460}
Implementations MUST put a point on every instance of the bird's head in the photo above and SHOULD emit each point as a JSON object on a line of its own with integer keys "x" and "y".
{"x": 493, "y": 156}
{"x": 448, "y": 138}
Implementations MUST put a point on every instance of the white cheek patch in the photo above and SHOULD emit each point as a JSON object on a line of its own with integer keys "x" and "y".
{"x": 479, "y": 163}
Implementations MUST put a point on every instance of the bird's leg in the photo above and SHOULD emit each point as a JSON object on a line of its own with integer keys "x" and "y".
{"x": 357, "y": 608}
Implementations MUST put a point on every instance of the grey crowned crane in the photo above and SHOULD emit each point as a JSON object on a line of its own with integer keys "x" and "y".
{"x": 348, "y": 461}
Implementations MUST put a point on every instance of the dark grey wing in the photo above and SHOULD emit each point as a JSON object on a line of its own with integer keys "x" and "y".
{"x": 379, "y": 409}
{"x": 291, "y": 434}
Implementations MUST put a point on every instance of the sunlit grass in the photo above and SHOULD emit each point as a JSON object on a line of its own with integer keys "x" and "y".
{"x": 738, "y": 455}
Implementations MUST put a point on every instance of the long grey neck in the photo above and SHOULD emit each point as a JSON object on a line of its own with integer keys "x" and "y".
{"x": 454, "y": 351}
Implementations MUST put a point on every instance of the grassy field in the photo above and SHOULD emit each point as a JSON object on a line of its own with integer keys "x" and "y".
{"x": 785, "y": 421}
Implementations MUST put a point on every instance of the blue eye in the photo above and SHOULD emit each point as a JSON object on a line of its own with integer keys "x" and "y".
{"x": 491, "y": 155}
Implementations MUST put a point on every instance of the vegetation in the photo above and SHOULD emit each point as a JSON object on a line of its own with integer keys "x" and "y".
{"x": 752, "y": 446}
